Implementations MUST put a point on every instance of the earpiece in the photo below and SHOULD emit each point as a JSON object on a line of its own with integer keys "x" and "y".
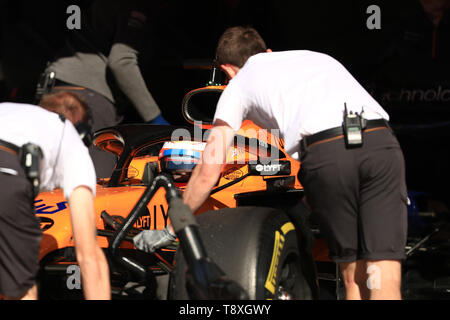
{"x": 85, "y": 132}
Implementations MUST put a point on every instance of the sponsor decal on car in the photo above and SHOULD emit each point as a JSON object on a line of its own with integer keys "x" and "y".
{"x": 233, "y": 174}
{"x": 46, "y": 223}
{"x": 150, "y": 219}
{"x": 42, "y": 208}
{"x": 271, "y": 169}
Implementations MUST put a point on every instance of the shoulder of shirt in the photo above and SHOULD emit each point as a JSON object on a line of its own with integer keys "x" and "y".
{"x": 260, "y": 60}
{"x": 28, "y": 109}
{"x": 267, "y": 56}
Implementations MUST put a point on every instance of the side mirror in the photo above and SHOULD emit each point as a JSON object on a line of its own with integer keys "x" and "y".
{"x": 110, "y": 141}
{"x": 200, "y": 104}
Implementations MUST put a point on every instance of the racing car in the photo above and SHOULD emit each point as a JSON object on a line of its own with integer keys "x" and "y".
{"x": 254, "y": 225}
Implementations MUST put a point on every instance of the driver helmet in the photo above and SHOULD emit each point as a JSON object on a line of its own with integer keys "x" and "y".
{"x": 179, "y": 158}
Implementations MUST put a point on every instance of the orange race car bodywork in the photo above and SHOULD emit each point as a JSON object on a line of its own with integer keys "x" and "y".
{"x": 54, "y": 212}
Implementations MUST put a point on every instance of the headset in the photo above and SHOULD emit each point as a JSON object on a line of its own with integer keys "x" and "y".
{"x": 85, "y": 132}
{"x": 84, "y": 128}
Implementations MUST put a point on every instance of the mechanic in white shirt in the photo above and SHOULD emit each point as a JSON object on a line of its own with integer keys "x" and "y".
{"x": 65, "y": 164}
{"x": 357, "y": 194}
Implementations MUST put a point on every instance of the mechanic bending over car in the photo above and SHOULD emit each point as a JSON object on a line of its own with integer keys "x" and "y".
{"x": 100, "y": 62}
{"x": 42, "y": 150}
{"x": 352, "y": 165}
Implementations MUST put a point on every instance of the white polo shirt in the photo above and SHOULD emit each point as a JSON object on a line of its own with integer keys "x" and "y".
{"x": 66, "y": 162}
{"x": 297, "y": 92}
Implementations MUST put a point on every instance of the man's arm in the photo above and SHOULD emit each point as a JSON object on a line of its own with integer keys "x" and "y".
{"x": 207, "y": 173}
{"x": 92, "y": 261}
{"x": 133, "y": 20}
{"x": 203, "y": 179}
{"x": 123, "y": 62}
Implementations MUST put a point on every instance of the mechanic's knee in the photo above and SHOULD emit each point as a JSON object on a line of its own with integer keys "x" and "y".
{"x": 353, "y": 273}
{"x": 348, "y": 272}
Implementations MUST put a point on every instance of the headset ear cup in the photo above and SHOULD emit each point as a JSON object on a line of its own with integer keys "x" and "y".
{"x": 85, "y": 132}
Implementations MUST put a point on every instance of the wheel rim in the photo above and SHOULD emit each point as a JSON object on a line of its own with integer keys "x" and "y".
{"x": 289, "y": 285}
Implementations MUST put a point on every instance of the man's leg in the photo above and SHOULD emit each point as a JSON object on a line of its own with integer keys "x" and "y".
{"x": 331, "y": 187}
{"x": 348, "y": 271}
{"x": 384, "y": 279}
{"x": 355, "y": 277}
{"x": 374, "y": 280}
{"x": 20, "y": 233}
{"x": 383, "y": 216}
{"x": 32, "y": 294}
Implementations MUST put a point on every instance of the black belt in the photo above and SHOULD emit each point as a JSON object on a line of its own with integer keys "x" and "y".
{"x": 9, "y": 147}
{"x": 338, "y": 133}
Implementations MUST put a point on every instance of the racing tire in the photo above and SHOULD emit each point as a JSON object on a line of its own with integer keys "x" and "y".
{"x": 256, "y": 247}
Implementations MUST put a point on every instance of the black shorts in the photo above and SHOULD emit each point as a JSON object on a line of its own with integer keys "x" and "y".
{"x": 20, "y": 233}
{"x": 358, "y": 196}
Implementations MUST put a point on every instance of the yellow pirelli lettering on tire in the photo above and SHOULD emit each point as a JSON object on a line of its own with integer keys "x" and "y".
{"x": 271, "y": 280}
{"x": 287, "y": 227}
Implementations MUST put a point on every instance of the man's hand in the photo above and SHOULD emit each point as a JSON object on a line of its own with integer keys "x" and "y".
{"x": 206, "y": 173}
{"x": 92, "y": 261}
